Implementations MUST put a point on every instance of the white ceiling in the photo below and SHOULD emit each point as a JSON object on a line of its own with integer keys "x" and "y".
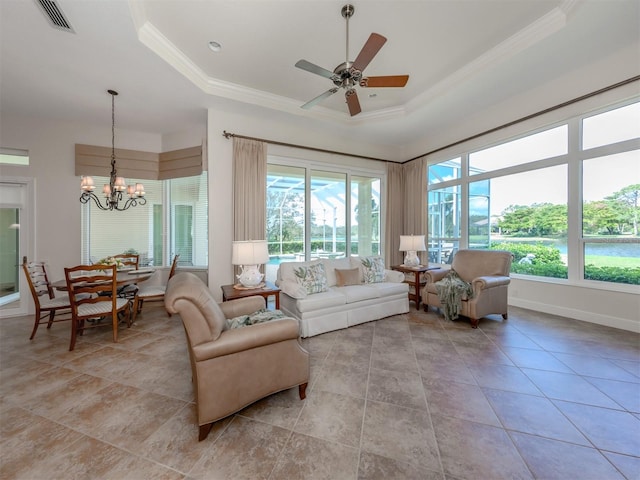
{"x": 462, "y": 56}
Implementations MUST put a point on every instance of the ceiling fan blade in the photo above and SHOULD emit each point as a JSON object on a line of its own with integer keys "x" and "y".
{"x": 386, "y": 81}
{"x": 310, "y": 67}
{"x": 319, "y": 98}
{"x": 370, "y": 49}
{"x": 352, "y": 102}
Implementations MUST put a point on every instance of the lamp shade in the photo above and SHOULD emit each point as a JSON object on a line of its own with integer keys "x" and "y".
{"x": 412, "y": 243}
{"x": 250, "y": 252}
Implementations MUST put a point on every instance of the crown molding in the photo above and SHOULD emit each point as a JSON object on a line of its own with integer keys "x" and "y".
{"x": 153, "y": 38}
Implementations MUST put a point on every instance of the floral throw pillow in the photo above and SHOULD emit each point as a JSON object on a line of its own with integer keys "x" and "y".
{"x": 372, "y": 269}
{"x": 313, "y": 278}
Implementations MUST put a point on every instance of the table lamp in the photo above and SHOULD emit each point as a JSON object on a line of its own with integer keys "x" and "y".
{"x": 412, "y": 244}
{"x": 249, "y": 254}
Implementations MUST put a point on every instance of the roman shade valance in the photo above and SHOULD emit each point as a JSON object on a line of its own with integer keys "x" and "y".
{"x": 96, "y": 161}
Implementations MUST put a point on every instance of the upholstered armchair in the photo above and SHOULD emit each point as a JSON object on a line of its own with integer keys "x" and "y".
{"x": 488, "y": 273}
{"x": 232, "y": 368}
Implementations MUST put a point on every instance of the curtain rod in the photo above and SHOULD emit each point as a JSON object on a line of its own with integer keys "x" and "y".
{"x": 528, "y": 117}
{"x": 228, "y": 135}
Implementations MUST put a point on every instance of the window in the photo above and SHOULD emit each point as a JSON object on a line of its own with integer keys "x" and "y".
{"x": 313, "y": 213}
{"x": 547, "y": 144}
{"x": 173, "y": 221}
{"x": 444, "y": 223}
{"x": 328, "y": 221}
{"x": 527, "y": 215}
{"x": 14, "y": 156}
{"x": 610, "y": 215}
{"x": 517, "y": 196}
{"x": 444, "y": 171}
{"x": 611, "y": 127}
{"x": 365, "y": 216}
{"x": 285, "y": 211}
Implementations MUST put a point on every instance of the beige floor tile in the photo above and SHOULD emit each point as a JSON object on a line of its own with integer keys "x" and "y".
{"x": 126, "y": 410}
{"x": 332, "y": 417}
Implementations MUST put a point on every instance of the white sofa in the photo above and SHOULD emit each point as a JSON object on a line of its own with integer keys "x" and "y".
{"x": 341, "y": 306}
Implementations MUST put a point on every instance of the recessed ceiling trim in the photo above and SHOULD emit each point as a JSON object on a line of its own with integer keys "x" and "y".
{"x": 535, "y": 32}
{"x": 153, "y": 38}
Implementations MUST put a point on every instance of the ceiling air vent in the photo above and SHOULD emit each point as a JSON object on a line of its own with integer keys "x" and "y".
{"x": 55, "y": 15}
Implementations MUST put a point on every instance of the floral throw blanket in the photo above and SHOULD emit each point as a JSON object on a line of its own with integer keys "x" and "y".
{"x": 261, "y": 316}
{"x": 451, "y": 291}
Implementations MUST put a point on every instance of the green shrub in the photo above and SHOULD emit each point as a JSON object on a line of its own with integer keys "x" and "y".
{"x": 542, "y": 254}
{"x": 630, "y": 276}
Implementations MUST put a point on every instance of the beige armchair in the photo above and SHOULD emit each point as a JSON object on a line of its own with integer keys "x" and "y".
{"x": 488, "y": 273}
{"x": 232, "y": 368}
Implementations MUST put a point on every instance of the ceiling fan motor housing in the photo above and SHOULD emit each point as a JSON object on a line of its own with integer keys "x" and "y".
{"x": 345, "y": 76}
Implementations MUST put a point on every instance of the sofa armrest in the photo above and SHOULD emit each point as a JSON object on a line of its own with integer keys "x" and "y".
{"x": 242, "y": 306}
{"x": 245, "y": 338}
{"x": 482, "y": 283}
{"x": 393, "y": 276}
{"x": 433, "y": 276}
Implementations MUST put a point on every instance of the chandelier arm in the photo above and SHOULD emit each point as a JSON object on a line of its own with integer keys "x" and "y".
{"x": 88, "y": 196}
{"x": 131, "y": 202}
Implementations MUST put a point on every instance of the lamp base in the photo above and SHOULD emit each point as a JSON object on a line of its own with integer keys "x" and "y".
{"x": 250, "y": 276}
{"x": 411, "y": 259}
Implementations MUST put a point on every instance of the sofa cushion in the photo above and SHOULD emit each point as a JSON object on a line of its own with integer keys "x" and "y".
{"x": 357, "y": 293}
{"x": 349, "y": 276}
{"x": 386, "y": 289}
{"x": 372, "y": 269}
{"x": 320, "y": 301}
{"x": 330, "y": 266}
{"x": 312, "y": 277}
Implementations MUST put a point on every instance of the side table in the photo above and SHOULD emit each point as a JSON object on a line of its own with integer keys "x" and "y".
{"x": 231, "y": 293}
{"x": 415, "y": 283}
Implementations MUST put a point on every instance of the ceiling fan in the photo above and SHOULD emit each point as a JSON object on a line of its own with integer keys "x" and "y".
{"x": 349, "y": 74}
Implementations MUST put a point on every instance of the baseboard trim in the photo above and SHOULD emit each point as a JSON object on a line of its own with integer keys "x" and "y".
{"x": 606, "y": 320}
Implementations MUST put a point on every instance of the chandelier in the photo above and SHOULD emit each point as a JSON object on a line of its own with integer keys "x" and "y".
{"x": 113, "y": 192}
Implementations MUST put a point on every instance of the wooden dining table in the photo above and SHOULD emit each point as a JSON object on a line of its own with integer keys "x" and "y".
{"x": 123, "y": 278}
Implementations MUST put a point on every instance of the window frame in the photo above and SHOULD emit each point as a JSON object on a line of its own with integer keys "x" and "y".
{"x": 573, "y": 159}
{"x": 310, "y": 166}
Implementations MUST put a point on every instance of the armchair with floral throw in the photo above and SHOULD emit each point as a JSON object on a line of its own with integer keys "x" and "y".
{"x": 486, "y": 274}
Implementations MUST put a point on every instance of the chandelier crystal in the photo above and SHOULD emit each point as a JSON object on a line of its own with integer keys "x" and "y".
{"x": 114, "y": 191}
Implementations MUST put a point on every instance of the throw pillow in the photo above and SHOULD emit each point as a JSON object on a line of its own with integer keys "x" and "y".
{"x": 372, "y": 269}
{"x": 261, "y": 316}
{"x": 312, "y": 278}
{"x": 286, "y": 271}
{"x": 347, "y": 277}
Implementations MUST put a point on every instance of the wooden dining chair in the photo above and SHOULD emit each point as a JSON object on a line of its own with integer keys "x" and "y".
{"x": 152, "y": 293}
{"x": 93, "y": 294}
{"x": 44, "y": 298}
{"x": 130, "y": 260}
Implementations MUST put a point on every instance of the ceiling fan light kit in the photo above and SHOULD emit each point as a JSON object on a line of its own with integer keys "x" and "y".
{"x": 349, "y": 74}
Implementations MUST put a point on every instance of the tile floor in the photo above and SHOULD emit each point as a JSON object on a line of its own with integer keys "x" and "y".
{"x": 407, "y": 397}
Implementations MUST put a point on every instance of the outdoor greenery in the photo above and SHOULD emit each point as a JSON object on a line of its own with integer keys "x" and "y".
{"x": 616, "y": 214}
{"x": 546, "y": 261}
